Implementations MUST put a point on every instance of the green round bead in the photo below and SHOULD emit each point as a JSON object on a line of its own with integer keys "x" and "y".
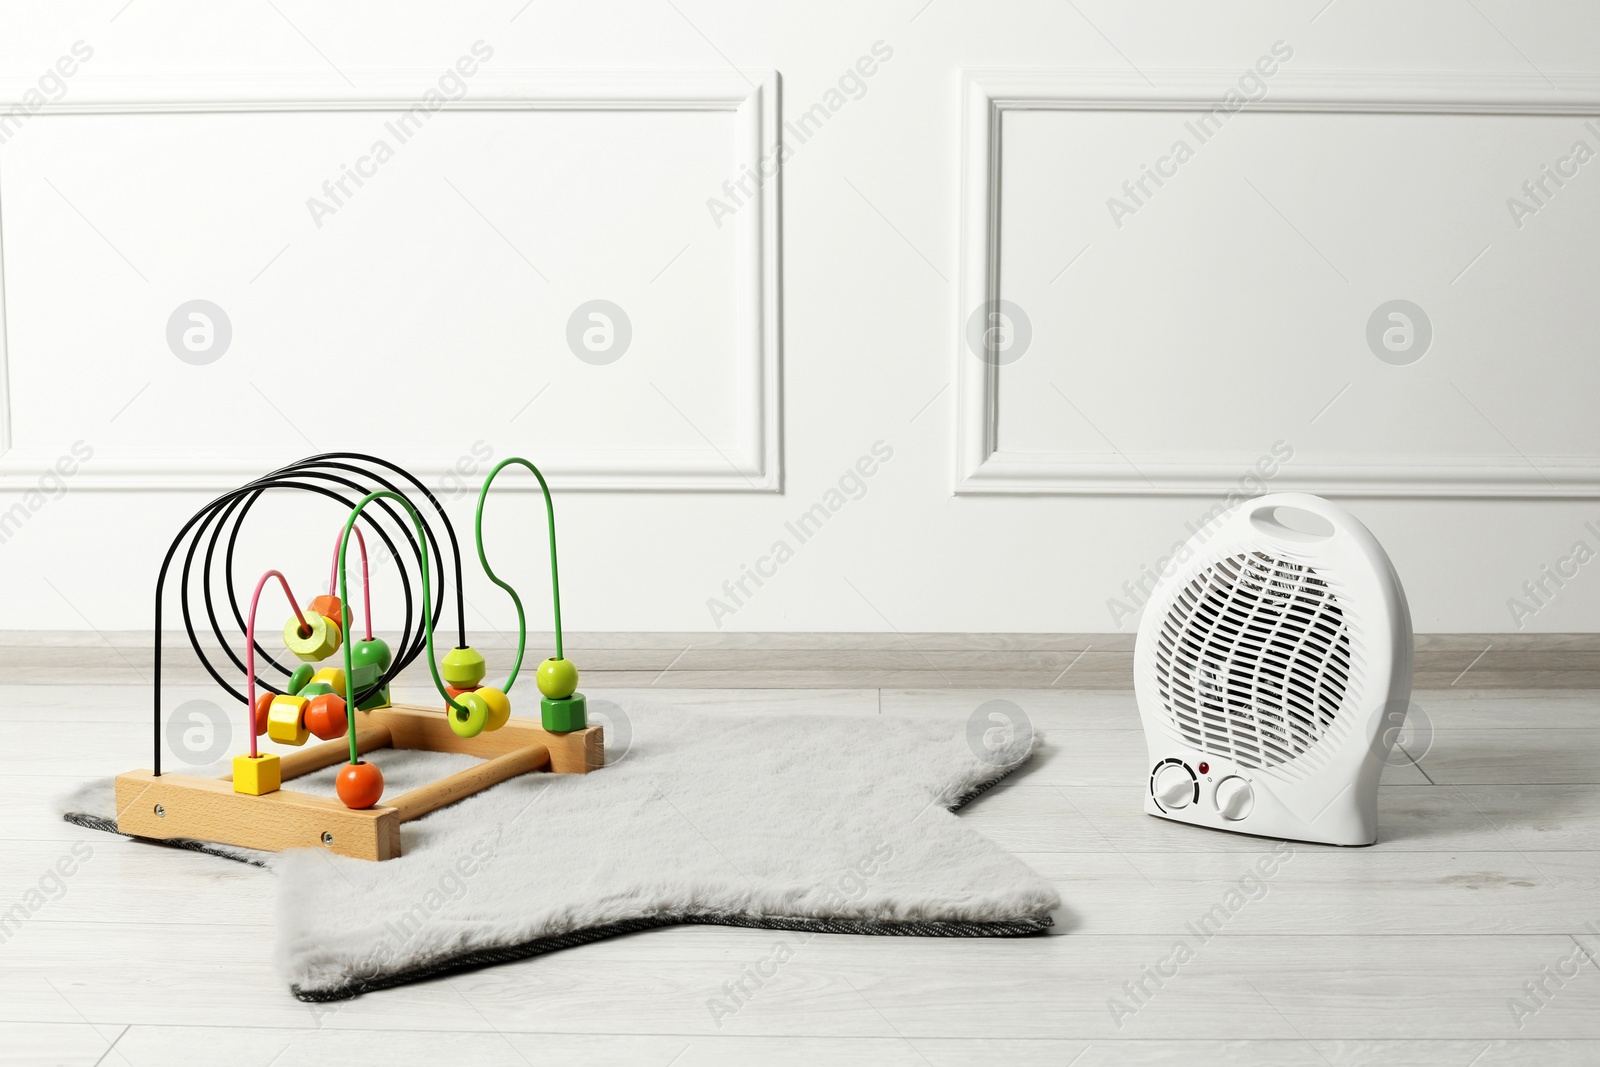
{"x": 557, "y": 678}
{"x": 370, "y": 651}
{"x": 368, "y": 660}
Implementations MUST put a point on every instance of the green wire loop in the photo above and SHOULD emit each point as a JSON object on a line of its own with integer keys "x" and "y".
{"x": 555, "y": 580}
{"x": 427, "y": 620}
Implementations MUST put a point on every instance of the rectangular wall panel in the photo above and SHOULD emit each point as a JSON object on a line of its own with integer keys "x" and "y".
{"x": 1160, "y": 288}
{"x": 279, "y": 271}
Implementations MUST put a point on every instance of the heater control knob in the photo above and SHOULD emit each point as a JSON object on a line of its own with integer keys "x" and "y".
{"x": 1235, "y": 798}
{"x": 1173, "y": 786}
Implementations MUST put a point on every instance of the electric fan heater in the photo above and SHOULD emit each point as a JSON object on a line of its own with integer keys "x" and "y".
{"x": 1273, "y": 671}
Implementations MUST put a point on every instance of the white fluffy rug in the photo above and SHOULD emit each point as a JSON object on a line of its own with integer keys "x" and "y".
{"x": 830, "y": 823}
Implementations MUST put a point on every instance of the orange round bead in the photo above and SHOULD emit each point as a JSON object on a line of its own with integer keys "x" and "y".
{"x": 359, "y": 785}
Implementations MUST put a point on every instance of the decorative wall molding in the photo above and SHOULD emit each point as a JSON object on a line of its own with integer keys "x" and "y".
{"x": 982, "y": 467}
{"x": 753, "y": 465}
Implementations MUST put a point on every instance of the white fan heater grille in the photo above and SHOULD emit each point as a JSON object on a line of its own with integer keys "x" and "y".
{"x": 1254, "y": 660}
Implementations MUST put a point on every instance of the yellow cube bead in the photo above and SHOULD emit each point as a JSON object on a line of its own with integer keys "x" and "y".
{"x": 286, "y": 720}
{"x": 258, "y": 776}
{"x": 319, "y": 644}
{"x": 334, "y": 676}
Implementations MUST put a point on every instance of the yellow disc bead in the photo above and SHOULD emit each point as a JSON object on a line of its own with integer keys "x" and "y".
{"x": 319, "y": 644}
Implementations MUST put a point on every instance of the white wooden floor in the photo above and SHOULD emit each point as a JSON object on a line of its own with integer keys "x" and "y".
{"x": 1487, "y": 878}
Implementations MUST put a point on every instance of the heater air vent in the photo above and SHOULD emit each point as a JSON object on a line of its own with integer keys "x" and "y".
{"x": 1253, "y": 659}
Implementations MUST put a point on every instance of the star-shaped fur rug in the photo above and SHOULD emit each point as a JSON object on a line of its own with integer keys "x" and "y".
{"x": 818, "y": 822}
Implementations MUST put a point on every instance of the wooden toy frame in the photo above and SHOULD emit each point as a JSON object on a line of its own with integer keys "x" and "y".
{"x": 177, "y": 806}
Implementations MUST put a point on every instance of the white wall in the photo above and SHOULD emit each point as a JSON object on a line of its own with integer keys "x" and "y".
{"x": 1217, "y": 320}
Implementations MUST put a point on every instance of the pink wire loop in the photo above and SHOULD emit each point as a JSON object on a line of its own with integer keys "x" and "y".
{"x": 250, "y": 650}
{"x": 366, "y": 577}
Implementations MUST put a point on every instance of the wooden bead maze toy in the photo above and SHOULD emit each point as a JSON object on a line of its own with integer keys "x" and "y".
{"x": 347, "y": 707}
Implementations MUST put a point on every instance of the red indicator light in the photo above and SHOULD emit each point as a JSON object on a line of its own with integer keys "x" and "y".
{"x": 1204, "y": 767}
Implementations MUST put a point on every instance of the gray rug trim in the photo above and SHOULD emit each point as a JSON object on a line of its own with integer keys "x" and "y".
{"x": 982, "y": 787}
{"x": 1023, "y": 927}
{"x": 487, "y": 957}
{"x": 96, "y": 822}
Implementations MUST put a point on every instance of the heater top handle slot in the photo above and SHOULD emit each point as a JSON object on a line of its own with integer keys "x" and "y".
{"x": 1296, "y": 518}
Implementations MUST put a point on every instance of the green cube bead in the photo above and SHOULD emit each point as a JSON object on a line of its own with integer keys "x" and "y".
{"x": 365, "y": 676}
{"x": 380, "y": 699}
{"x": 564, "y": 714}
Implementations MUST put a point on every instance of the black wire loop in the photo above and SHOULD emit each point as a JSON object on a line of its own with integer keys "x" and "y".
{"x": 344, "y": 477}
